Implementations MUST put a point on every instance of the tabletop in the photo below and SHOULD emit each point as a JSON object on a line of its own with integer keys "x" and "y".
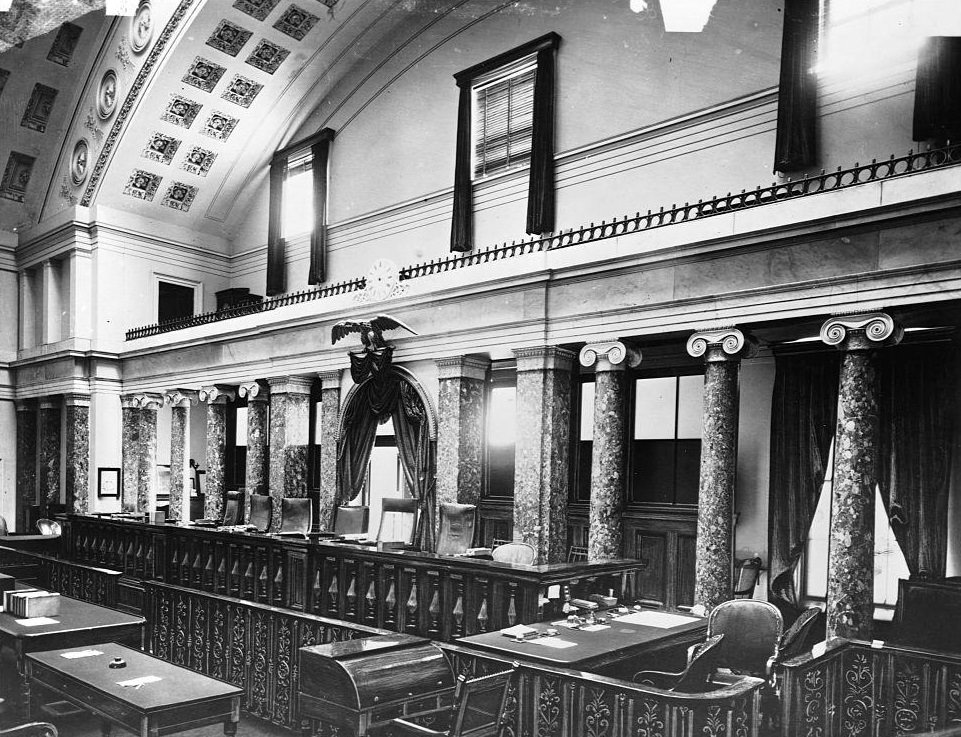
{"x": 74, "y": 615}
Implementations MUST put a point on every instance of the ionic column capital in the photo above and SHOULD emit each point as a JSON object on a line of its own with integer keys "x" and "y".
{"x": 861, "y": 332}
{"x": 721, "y": 344}
{"x": 148, "y": 400}
{"x": 610, "y": 355}
{"x": 463, "y": 367}
{"x": 217, "y": 394}
{"x": 256, "y": 390}
{"x": 180, "y": 397}
{"x": 330, "y": 379}
{"x": 129, "y": 401}
{"x": 543, "y": 358}
{"x": 290, "y": 384}
{"x": 49, "y": 403}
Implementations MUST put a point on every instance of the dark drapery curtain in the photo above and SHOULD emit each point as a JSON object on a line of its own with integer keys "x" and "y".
{"x": 937, "y": 89}
{"x": 462, "y": 222}
{"x": 803, "y": 418}
{"x": 275, "y": 243}
{"x": 320, "y": 155}
{"x": 540, "y": 189}
{"x": 417, "y": 460}
{"x": 796, "y": 146}
{"x": 359, "y": 430}
{"x": 916, "y": 412}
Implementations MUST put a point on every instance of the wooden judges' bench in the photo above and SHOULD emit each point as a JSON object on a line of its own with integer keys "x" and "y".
{"x": 434, "y": 596}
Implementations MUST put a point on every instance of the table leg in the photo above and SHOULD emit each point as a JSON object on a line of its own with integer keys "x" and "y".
{"x": 230, "y": 728}
{"x": 105, "y": 728}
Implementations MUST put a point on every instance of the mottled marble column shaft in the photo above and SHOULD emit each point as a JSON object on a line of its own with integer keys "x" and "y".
{"x": 77, "y": 442}
{"x": 713, "y": 577}
{"x": 26, "y": 460}
{"x": 147, "y": 469}
{"x": 329, "y": 421}
{"x": 608, "y": 463}
{"x": 50, "y": 414}
{"x": 850, "y": 596}
{"x": 215, "y": 460}
{"x": 180, "y": 485}
{"x": 130, "y": 452}
{"x": 289, "y": 428}
{"x": 542, "y": 450}
{"x": 257, "y": 477}
{"x": 460, "y": 428}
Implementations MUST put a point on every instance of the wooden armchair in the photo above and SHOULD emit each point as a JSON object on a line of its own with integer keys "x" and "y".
{"x": 694, "y": 678}
{"x": 31, "y": 729}
{"x": 478, "y": 709}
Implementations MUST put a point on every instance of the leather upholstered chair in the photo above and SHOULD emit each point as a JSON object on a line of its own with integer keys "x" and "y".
{"x": 296, "y": 516}
{"x": 520, "y": 553}
{"x": 261, "y": 506}
{"x": 752, "y": 635}
{"x": 233, "y": 512}
{"x": 807, "y": 629}
{"x": 478, "y": 710}
{"x": 351, "y": 520}
{"x": 457, "y": 523}
{"x": 48, "y": 527}
{"x": 695, "y": 677}
{"x": 398, "y": 521}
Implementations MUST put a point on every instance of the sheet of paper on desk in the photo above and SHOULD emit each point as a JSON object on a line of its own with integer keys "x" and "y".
{"x": 595, "y": 627}
{"x": 664, "y": 620}
{"x": 136, "y": 682}
{"x": 554, "y": 642}
{"x": 81, "y": 654}
{"x": 35, "y": 621}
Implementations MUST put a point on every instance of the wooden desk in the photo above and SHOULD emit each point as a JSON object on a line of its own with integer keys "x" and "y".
{"x": 78, "y": 624}
{"x": 624, "y": 639}
{"x": 180, "y": 700}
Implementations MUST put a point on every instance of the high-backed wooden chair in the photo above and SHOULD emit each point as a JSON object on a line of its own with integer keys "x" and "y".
{"x": 745, "y": 577}
{"x": 457, "y": 523}
{"x": 478, "y": 710}
{"x": 233, "y": 511}
{"x": 515, "y": 552}
{"x": 695, "y": 677}
{"x": 261, "y": 507}
{"x": 577, "y": 554}
{"x": 398, "y": 521}
{"x": 351, "y": 520}
{"x": 296, "y": 516}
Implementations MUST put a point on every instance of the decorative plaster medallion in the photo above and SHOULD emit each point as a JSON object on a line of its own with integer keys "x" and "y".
{"x": 16, "y": 176}
{"x": 241, "y": 91}
{"x": 79, "y": 161}
{"x": 383, "y": 282}
{"x": 204, "y": 74}
{"x": 123, "y": 56}
{"x": 161, "y": 148}
{"x": 65, "y": 44}
{"x": 219, "y": 126}
{"x": 267, "y": 56}
{"x": 296, "y": 22}
{"x": 179, "y": 196}
{"x": 65, "y": 193}
{"x": 181, "y": 111}
{"x": 141, "y": 28}
{"x": 39, "y": 107}
{"x": 198, "y": 161}
{"x": 107, "y": 94}
{"x": 229, "y": 38}
{"x": 258, "y": 9}
{"x": 143, "y": 185}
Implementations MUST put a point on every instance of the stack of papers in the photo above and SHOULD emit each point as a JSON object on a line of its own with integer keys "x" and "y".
{"x": 520, "y": 632}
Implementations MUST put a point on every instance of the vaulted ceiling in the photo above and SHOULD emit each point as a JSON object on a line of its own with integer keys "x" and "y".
{"x": 173, "y": 114}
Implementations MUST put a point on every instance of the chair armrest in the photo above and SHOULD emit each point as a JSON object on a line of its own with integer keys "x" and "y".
{"x": 403, "y": 728}
{"x": 656, "y": 678}
{"x": 46, "y": 729}
{"x": 690, "y": 652}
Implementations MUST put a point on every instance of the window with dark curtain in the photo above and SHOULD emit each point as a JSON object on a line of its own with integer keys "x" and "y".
{"x": 796, "y": 145}
{"x": 515, "y": 123}
{"x": 937, "y": 90}
{"x": 310, "y": 154}
{"x": 174, "y": 301}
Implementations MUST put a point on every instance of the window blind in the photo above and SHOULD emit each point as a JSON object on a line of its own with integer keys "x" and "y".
{"x": 504, "y": 122}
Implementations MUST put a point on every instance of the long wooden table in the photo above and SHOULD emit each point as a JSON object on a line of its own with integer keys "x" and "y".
{"x": 424, "y": 594}
{"x": 148, "y": 696}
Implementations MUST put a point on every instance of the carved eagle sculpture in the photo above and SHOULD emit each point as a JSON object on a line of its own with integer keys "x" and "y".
{"x": 371, "y": 330}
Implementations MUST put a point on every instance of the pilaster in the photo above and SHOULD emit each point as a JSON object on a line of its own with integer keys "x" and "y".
{"x": 77, "y": 441}
{"x": 329, "y": 424}
{"x": 50, "y": 414}
{"x": 130, "y": 451}
{"x": 27, "y": 417}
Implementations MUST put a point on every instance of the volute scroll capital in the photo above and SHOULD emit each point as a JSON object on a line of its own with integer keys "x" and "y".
{"x": 610, "y": 355}
{"x": 721, "y": 344}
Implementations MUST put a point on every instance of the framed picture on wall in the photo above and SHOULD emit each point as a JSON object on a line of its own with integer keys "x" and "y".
{"x": 108, "y": 483}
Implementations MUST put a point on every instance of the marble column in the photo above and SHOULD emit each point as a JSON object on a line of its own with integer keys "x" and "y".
{"x": 329, "y": 423}
{"x": 289, "y": 427}
{"x": 256, "y": 475}
{"x": 722, "y": 351}
{"x": 215, "y": 490}
{"x": 149, "y": 404}
{"x": 180, "y": 401}
{"x": 610, "y": 360}
{"x": 850, "y": 595}
{"x": 26, "y": 460}
{"x": 460, "y": 428}
{"x": 50, "y": 415}
{"x": 542, "y": 450}
{"x": 130, "y": 451}
{"x": 77, "y": 441}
